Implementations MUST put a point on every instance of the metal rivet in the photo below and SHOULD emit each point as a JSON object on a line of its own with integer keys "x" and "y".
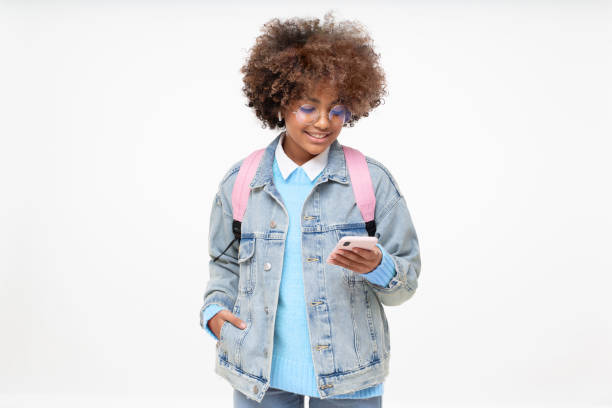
{"x": 272, "y": 224}
{"x": 267, "y": 266}
{"x": 255, "y": 389}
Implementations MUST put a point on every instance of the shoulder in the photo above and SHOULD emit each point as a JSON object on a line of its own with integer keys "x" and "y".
{"x": 382, "y": 176}
{"x": 226, "y": 185}
{"x": 231, "y": 173}
{"x": 386, "y": 189}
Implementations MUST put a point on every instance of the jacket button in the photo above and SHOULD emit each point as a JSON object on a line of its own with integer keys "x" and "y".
{"x": 265, "y": 353}
{"x": 266, "y": 309}
{"x": 267, "y": 266}
{"x": 255, "y": 389}
{"x": 272, "y": 224}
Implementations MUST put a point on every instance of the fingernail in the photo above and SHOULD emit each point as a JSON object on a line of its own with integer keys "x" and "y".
{"x": 242, "y": 325}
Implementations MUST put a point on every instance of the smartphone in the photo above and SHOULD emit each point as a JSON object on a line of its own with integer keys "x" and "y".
{"x": 351, "y": 241}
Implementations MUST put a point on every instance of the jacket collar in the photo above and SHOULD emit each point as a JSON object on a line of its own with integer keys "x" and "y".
{"x": 335, "y": 169}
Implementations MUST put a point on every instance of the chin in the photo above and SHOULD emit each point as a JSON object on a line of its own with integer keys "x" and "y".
{"x": 318, "y": 148}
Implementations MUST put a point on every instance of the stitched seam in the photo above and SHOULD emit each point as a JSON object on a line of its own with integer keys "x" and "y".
{"x": 389, "y": 207}
{"x": 384, "y": 169}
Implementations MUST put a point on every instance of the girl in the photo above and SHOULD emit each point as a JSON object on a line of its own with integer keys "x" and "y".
{"x": 288, "y": 322}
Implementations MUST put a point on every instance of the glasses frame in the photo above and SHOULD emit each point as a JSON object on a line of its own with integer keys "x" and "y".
{"x": 348, "y": 111}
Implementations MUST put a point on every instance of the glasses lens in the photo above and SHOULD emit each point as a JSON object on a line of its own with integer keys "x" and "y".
{"x": 307, "y": 114}
{"x": 339, "y": 114}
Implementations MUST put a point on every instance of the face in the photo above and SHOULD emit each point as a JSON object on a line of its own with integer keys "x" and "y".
{"x": 301, "y": 143}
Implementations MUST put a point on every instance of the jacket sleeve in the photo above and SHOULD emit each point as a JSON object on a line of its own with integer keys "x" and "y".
{"x": 396, "y": 234}
{"x": 222, "y": 287}
{"x": 207, "y": 314}
{"x": 383, "y": 273}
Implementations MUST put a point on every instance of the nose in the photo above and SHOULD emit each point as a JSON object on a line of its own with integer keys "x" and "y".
{"x": 322, "y": 122}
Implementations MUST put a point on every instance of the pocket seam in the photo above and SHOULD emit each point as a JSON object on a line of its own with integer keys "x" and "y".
{"x": 246, "y": 252}
{"x": 249, "y": 247}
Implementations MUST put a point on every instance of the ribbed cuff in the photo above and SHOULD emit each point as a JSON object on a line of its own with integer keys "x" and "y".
{"x": 209, "y": 313}
{"x": 384, "y": 272}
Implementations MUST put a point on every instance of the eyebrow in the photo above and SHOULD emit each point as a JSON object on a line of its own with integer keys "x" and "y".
{"x": 318, "y": 101}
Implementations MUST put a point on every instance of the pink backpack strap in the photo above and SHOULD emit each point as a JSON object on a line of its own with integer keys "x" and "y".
{"x": 241, "y": 192}
{"x": 242, "y": 189}
{"x": 362, "y": 186}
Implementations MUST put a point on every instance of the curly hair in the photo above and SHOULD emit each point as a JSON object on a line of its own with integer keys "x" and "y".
{"x": 290, "y": 57}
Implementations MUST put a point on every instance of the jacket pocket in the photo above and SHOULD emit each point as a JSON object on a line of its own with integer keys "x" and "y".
{"x": 231, "y": 339}
{"x": 246, "y": 260}
{"x": 222, "y": 348}
{"x": 223, "y": 327}
{"x": 379, "y": 322}
{"x": 227, "y": 342}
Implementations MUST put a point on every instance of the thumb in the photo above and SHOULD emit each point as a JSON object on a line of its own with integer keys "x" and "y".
{"x": 235, "y": 320}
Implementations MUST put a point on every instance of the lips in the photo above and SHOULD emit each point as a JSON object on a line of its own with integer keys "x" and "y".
{"x": 317, "y": 136}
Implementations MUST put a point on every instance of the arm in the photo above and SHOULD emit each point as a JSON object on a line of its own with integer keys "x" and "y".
{"x": 384, "y": 272}
{"x": 222, "y": 287}
{"x": 208, "y": 314}
{"x": 396, "y": 234}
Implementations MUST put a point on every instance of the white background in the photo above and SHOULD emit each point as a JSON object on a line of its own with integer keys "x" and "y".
{"x": 118, "y": 120}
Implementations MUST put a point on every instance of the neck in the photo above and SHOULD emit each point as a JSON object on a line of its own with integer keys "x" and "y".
{"x": 295, "y": 153}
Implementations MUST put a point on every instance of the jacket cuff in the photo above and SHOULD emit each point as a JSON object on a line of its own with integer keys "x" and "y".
{"x": 208, "y": 313}
{"x": 384, "y": 272}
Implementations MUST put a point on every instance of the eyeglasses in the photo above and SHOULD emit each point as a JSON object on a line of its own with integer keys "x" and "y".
{"x": 308, "y": 114}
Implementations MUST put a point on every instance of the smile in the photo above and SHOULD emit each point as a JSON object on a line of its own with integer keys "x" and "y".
{"x": 318, "y": 135}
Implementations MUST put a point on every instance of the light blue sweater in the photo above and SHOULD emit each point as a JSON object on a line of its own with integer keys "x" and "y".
{"x": 292, "y": 367}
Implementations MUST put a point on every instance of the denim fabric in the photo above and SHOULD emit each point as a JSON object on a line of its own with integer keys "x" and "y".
{"x": 348, "y": 328}
{"x": 381, "y": 275}
{"x": 276, "y": 398}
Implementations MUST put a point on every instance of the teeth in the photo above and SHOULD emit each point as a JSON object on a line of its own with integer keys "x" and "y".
{"x": 317, "y": 136}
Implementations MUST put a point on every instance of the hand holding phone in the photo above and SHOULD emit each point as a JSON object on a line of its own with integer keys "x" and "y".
{"x": 351, "y": 241}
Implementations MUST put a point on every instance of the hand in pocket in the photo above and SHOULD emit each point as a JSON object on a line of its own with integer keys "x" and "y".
{"x": 216, "y": 322}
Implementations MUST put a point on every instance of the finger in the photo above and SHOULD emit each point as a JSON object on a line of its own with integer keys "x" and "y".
{"x": 348, "y": 263}
{"x": 235, "y": 320}
{"x": 352, "y": 255}
{"x": 357, "y": 268}
{"x": 362, "y": 265}
{"x": 344, "y": 258}
{"x": 219, "y": 318}
{"x": 369, "y": 254}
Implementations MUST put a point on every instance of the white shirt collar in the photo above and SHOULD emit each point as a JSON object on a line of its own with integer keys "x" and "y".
{"x": 312, "y": 167}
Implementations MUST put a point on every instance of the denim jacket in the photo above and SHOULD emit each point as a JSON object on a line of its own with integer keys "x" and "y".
{"x": 348, "y": 328}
